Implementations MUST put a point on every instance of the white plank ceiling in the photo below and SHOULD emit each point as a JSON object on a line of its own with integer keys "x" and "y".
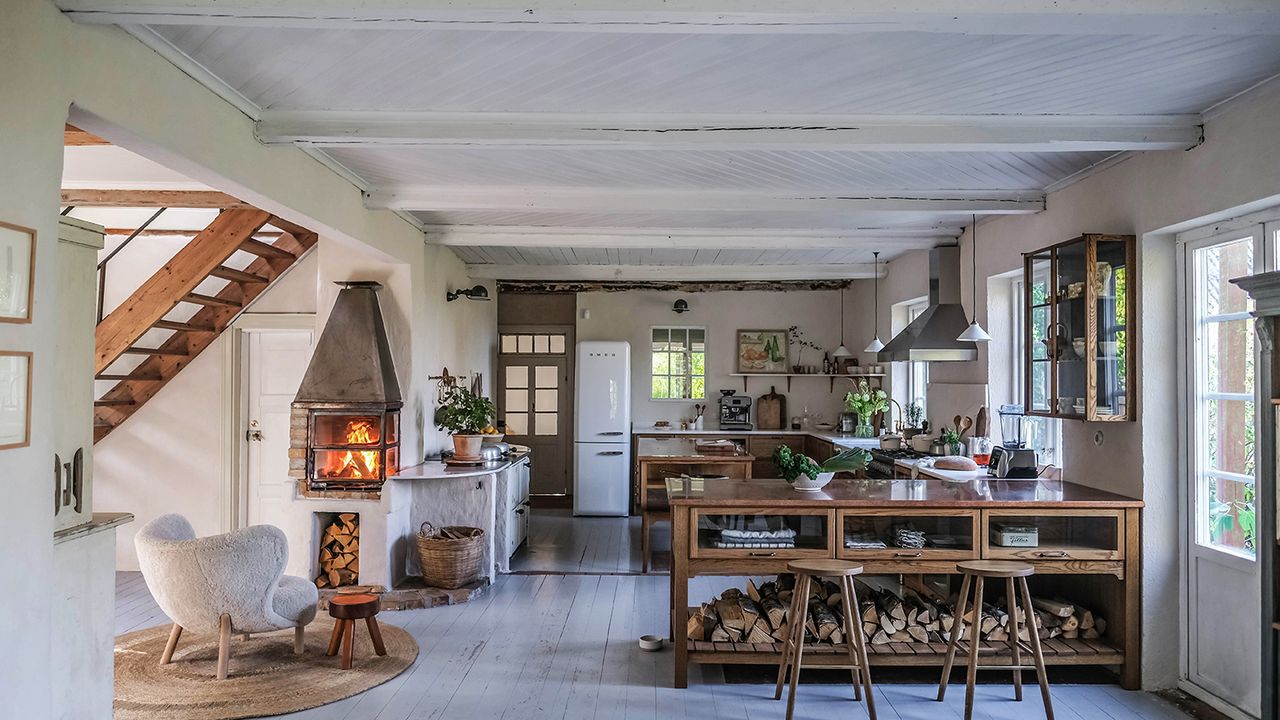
{"x": 549, "y": 138}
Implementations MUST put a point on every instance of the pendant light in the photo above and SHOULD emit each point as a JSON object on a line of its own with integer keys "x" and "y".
{"x": 841, "y": 352}
{"x": 974, "y": 333}
{"x": 876, "y": 346}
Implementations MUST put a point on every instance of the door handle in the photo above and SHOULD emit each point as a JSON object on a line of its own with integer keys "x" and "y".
{"x": 610, "y": 452}
{"x": 254, "y": 435}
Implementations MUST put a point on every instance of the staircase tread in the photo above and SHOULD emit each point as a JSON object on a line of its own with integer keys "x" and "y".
{"x": 199, "y": 299}
{"x": 234, "y": 275}
{"x": 135, "y": 350}
{"x": 262, "y": 249}
{"x": 183, "y": 326}
{"x": 126, "y": 378}
{"x": 114, "y": 403}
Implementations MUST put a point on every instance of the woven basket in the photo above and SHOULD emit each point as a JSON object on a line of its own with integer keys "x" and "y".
{"x": 450, "y": 556}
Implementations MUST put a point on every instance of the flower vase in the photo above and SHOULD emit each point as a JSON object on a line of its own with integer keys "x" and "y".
{"x": 864, "y": 429}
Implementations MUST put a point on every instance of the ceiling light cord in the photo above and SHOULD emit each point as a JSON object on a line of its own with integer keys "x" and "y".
{"x": 974, "y": 333}
{"x": 875, "y": 345}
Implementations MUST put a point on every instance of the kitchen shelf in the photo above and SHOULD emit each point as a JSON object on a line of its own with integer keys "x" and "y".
{"x": 831, "y": 376}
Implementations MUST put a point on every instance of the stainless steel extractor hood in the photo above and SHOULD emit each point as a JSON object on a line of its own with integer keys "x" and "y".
{"x": 931, "y": 337}
{"x": 352, "y": 363}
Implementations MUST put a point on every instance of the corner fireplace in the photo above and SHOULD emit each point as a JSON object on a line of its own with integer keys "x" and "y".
{"x": 345, "y": 429}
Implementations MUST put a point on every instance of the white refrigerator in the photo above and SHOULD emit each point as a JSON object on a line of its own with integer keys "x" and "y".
{"x": 602, "y": 429}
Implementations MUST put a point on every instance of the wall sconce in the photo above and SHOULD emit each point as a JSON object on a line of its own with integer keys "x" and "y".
{"x": 680, "y": 307}
{"x": 479, "y": 292}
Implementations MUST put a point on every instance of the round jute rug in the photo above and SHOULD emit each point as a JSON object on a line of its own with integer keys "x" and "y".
{"x": 265, "y": 677}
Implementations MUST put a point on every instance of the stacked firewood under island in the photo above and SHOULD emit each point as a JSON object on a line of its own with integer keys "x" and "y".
{"x": 915, "y": 612}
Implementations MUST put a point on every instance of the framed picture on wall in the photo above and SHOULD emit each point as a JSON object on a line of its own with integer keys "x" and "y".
{"x": 15, "y": 399}
{"x": 762, "y": 351}
{"x": 17, "y": 272}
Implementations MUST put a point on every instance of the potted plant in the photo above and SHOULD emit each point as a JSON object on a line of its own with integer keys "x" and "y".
{"x": 465, "y": 415}
{"x": 914, "y": 420}
{"x": 865, "y": 402}
{"x": 951, "y": 438}
{"x": 806, "y": 475}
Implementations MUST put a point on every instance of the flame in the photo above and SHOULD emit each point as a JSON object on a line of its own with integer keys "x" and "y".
{"x": 358, "y": 464}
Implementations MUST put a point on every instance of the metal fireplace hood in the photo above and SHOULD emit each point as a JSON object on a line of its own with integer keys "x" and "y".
{"x": 931, "y": 337}
{"x": 351, "y": 363}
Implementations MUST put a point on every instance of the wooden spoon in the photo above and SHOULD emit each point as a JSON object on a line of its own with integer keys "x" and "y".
{"x": 965, "y": 425}
{"x": 957, "y": 420}
{"x": 980, "y": 425}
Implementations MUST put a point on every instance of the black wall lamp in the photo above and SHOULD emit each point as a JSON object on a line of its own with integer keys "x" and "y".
{"x": 680, "y": 306}
{"x": 479, "y": 292}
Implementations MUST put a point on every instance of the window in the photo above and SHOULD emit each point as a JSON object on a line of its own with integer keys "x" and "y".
{"x": 1044, "y": 435}
{"x": 917, "y": 372}
{"x": 1223, "y": 411}
{"x": 679, "y": 363}
{"x": 532, "y": 344}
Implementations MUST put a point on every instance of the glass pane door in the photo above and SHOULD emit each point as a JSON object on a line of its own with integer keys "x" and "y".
{"x": 1039, "y": 373}
{"x": 1067, "y": 339}
{"x": 1111, "y": 332}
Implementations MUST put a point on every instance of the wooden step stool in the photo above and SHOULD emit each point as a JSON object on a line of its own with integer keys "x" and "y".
{"x": 346, "y": 609}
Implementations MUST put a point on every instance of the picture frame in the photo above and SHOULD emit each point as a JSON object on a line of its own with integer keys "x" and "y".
{"x": 17, "y": 272}
{"x": 763, "y": 352}
{"x": 15, "y": 399}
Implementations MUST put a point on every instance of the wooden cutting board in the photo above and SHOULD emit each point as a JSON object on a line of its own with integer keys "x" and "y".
{"x": 771, "y": 411}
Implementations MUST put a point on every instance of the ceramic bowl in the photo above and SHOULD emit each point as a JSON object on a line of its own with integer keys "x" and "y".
{"x": 804, "y": 483}
{"x": 650, "y": 643}
{"x": 492, "y": 439}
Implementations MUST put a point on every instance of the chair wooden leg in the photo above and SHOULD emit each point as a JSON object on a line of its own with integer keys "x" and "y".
{"x": 802, "y": 618}
{"x": 224, "y": 645}
{"x": 956, "y": 627}
{"x": 1036, "y": 652}
{"x": 335, "y": 638}
{"x": 788, "y": 646}
{"x": 645, "y": 527}
{"x": 375, "y": 634}
{"x": 1015, "y": 648}
{"x": 348, "y": 643}
{"x": 172, "y": 645}
{"x": 864, "y": 663}
{"x": 299, "y": 639}
{"x": 975, "y": 630}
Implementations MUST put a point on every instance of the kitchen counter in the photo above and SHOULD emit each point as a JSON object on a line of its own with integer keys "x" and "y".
{"x": 835, "y": 438}
{"x": 437, "y": 470}
{"x": 684, "y": 449}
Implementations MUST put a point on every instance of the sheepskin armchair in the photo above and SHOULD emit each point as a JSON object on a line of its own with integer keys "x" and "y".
{"x": 229, "y": 583}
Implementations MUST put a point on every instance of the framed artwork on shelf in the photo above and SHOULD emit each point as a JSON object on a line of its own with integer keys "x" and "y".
{"x": 17, "y": 272}
{"x": 762, "y": 351}
{"x": 15, "y": 399}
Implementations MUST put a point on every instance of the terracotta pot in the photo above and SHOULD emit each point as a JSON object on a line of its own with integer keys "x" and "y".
{"x": 467, "y": 446}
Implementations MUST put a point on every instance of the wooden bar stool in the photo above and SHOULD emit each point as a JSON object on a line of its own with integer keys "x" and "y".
{"x": 975, "y": 572}
{"x": 798, "y": 615}
{"x": 346, "y": 609}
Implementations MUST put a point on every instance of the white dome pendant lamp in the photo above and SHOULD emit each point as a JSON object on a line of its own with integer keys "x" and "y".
{"x": 875, "y": 345}
{"x": 974, "y": 333}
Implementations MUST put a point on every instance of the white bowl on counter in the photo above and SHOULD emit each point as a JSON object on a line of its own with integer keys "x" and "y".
{"x": 804, "y": 483}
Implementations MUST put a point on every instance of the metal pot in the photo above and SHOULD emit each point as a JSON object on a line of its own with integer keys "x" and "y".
{"x": 921, "y": 442}
{"x": 890, "y": 442}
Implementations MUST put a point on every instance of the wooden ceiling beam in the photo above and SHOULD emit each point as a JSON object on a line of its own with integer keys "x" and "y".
{"x": 154, "y": 232}
{"x": 834, "y": 133}
{"x": 152, "y": 198}
{"x": 671, "y": 273}
{"x": 615, "y": 238}
{"x": 1025, "y": 17}
{"x": 73, "y": 136}
{"x": 613, "y": 200}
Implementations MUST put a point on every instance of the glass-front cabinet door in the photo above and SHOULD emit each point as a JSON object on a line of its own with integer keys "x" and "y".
{"x": 1078, "y": 304}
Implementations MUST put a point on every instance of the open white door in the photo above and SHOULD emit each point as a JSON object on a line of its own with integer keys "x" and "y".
{"x": 275, "y": 361}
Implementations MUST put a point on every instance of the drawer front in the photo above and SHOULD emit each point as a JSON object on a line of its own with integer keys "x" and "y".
{"x": 1061, "y": 535}
{"x": 762, "y": 533}
{"x": 946, "y": 534}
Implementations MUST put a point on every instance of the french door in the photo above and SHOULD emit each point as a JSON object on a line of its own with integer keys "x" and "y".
{"x": 1220, "y": 419}
{"x": 535, "y": 401}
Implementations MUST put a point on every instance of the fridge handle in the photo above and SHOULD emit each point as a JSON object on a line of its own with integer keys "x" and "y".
{"x": 611, "y": 432}
{"x": 610, "y": 452}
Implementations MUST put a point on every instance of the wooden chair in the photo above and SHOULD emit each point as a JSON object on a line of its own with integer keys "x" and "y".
{"x": 798, "y": 615}
{"x": 1014, "y": 573}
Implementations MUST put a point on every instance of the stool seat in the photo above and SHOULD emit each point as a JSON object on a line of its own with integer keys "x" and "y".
{"x": 824, "y": 568}
{"x": 996, "y": 568}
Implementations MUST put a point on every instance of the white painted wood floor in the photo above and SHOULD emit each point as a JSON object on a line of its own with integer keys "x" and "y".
{"x": 564, "y": 646}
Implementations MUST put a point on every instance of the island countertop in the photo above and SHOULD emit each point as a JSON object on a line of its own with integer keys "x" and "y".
{"x": 683, "y": 449}
{"x": 919, "y": 492}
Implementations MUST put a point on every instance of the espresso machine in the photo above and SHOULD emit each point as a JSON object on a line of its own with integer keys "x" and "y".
{"x": 735, "y": 411}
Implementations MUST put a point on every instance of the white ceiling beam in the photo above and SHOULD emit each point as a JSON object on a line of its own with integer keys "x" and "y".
{"x": 604, "y": 273}
{"x": 884, "y": 133}
{"x": 942, "y": 202}
{"x": 515, "y": 237}
{"x": 1011, "y": 17}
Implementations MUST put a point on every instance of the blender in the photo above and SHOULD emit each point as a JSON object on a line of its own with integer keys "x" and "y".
{"x": 1011, "y": 426}
{"x": 1012, "y": 459}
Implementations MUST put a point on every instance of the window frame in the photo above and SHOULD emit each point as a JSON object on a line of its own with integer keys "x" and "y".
{"x": 688, "y": 375}
{"x": 917, "y": 385}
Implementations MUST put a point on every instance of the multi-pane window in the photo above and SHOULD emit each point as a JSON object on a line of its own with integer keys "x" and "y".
{"x": 1042, "y": 434}
{"x": 532, "y": 344}
{"x": 917, "y": 372}
{"x": 1223, "y": 411}
{"x": 679, "y": 359}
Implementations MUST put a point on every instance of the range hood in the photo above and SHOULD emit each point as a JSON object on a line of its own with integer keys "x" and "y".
{"x": 352, "y": 360}
{"x": 931, "y": 337}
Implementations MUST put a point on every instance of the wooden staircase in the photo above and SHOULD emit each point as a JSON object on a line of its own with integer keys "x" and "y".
{"x": 204, "y": 257}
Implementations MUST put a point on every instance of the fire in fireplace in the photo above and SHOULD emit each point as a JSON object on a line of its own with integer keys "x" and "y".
{"x": 346, "y": 415}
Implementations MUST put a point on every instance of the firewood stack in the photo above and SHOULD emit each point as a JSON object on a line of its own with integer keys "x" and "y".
{"x": 340, "y": 553}
{"x": 890, "y": 614}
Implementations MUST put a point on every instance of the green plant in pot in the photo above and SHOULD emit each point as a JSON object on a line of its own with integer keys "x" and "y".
{"x": 951, "y": 438}
{"x": 806, "y": 475}
{"x": 465, "y": 415}
{"x": 865, "y": 402}
{"x": 914, "y": 413}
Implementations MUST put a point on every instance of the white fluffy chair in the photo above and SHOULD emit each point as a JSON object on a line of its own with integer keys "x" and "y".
{"x": 232, "y": 583}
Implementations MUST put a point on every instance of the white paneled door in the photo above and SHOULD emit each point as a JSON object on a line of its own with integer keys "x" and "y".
{"x": 275, "y": 363}
{"x": 1220, "y": 421}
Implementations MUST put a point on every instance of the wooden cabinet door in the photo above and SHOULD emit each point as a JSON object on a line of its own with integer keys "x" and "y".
{"x": 762, "y": 448}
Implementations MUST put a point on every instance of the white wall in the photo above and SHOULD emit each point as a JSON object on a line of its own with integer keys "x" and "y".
{"x": 1236, "y": 170}
{"x": 630, "y": 315}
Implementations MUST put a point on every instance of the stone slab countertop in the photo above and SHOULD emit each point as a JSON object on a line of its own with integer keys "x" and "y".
{"x": 835, "y": 438}
{"x": 437, "y": 470}
{"x": 923, "y": 492}
{"x": 679, "y": 448}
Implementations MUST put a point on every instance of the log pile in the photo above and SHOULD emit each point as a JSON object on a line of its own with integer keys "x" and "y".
{"x": 340, "y": 552}
{"x": 890, "y": 613}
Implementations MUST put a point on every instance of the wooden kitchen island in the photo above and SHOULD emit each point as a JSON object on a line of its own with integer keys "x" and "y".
{"x": 1089, "y": 549}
